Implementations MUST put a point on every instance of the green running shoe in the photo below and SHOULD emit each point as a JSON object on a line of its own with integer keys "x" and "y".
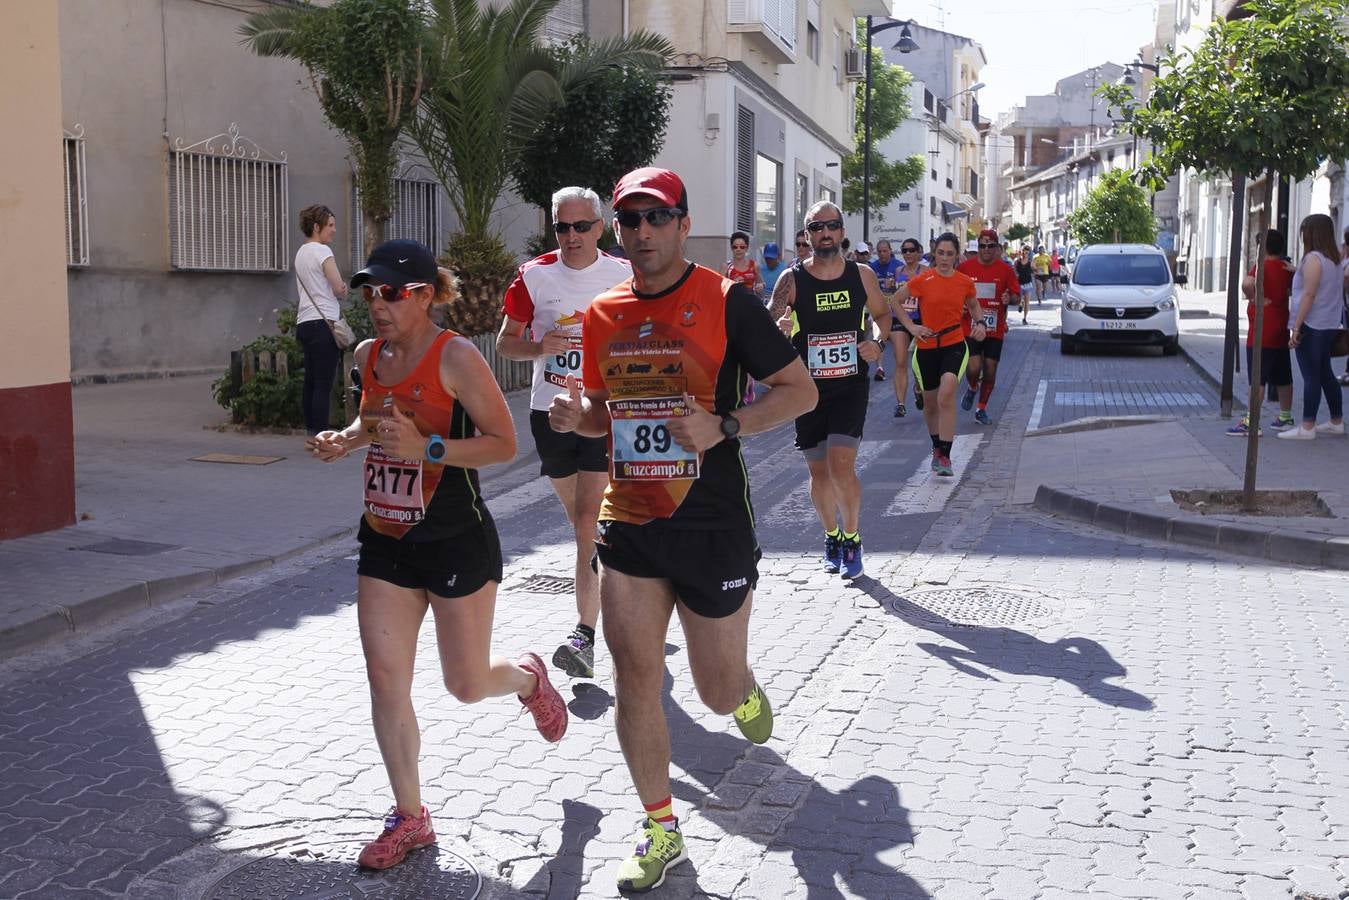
{"x": 755, "y": 716}
{"x": 657, "y": 851}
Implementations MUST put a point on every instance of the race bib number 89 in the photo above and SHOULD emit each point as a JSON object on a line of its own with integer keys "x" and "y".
{"x": 832, "y": 355}
{"x": 644, "y": 449}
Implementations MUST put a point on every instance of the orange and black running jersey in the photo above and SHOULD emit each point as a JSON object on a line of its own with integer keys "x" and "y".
{"x": 415, "y": 499}
{"x": 705, "y": 336}
{"x": 827, "y": 322}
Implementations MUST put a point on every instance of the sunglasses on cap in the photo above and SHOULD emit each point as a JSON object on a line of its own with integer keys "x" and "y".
{"x": 578, "y": 227}
{"x": 831, "y": 224}
{"x": 661, "y": 215}
{"x": 388, "y": 293}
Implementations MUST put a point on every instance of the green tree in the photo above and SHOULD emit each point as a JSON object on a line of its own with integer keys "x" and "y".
{"x": 1263, "y": 94}
{"x": 889, "y": 107}
{"x": 1019, "y": 231}
{"x": 365, "y": 61}
{"x": 605, "y": 127}
{"x": 491, "y": 83}
{"x": 1116, "y": 210}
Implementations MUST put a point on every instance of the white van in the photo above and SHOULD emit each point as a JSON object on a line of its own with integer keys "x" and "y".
{"x": 1120, "y": 294}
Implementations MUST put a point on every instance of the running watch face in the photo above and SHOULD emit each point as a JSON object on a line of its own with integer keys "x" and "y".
{"x": 435, "y": 448}
{"x": 730, "y": 427}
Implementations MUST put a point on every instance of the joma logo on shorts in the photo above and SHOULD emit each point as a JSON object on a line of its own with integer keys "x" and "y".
{"x": 734, "y": 583}
{"x": 833, "y": 300}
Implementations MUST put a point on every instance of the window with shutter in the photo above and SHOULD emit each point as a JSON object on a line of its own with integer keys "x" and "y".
{"x": 418, "y": 202}
{"x": 76, "y": 199}
{"x": 744, "y": 169}
{"x": 228, "y": 206}
{"x": 565, "y": 22}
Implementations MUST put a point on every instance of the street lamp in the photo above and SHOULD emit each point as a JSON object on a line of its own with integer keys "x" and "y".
{"x": 905, "y": 44}
{"x": 1128, "y": 79}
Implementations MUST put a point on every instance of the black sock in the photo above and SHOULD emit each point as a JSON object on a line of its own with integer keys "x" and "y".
{"x": 945, "y": 447}
{"x": 936, "y": 442}
{"x": 587, "y": 631}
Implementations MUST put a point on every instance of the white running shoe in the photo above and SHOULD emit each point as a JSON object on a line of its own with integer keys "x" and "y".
{"x": 1330, "y": 428}
{"x": 1297, "y": 434}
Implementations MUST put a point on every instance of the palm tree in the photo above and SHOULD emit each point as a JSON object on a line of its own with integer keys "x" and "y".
{"x": 365, "y": 60}
{"x": 491, "y": 82}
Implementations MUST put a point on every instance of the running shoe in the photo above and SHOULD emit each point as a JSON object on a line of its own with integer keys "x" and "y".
{"x": 1242, "y": 428}
{"x": 936, "y": 460}
{"x": 942, "y": 465}
{"x": 657, "y": 851}
{"x": 545, "y": 704}
{"x": 833, "y": 554}
{"x": 577, "y": 656}
{"x": 967, "y": 401}
{"x": 1330, "y": 428}
{"x": 755, "y": 716}
{"x": 900, "y": 411}
{"x": 981, "y": 416}
{"x": 880, "y": 374}
{"x": 1298, "y": 434}
{"x": 401, "y": 835}
{"x": 1282, "y": 423}
{"x": 918, "y": 401}
{"x": 852, "y": 558}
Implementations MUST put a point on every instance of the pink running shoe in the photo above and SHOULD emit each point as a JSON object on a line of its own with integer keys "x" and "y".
{"x": 402, "y": 834}
{"x": 545, "y": 704}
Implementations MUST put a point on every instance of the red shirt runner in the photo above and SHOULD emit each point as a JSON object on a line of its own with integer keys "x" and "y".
{"x": 991, "y": 283}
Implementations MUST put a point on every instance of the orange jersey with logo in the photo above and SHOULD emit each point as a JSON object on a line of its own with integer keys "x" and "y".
{"x": 941, "y": 302}
{"x": 705, "y": 336}
{"x": 417, "y": 500}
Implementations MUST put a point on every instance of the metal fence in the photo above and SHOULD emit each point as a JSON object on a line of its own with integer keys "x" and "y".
{"x": 510, "y": 374}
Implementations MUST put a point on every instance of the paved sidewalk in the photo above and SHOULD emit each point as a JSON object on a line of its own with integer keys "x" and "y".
{"x": 154, "y": 524}
{"x": 1120, "y": 478}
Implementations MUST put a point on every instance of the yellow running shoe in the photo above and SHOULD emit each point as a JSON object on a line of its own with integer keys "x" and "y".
{"x": 657, "y": 851}
{"x": 755, "y": 716}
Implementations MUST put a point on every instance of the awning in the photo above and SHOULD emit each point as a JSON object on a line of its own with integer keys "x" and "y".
{"x": 951, "y": 211}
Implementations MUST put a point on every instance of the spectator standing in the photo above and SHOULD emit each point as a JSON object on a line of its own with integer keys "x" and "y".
{"x": 318, "y": 285}
{"x": 1276, "y": 363}
{"x": 1316, "y": 306}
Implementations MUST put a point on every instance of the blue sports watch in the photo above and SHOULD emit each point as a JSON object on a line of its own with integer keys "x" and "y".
{"x": 435, "y": 448}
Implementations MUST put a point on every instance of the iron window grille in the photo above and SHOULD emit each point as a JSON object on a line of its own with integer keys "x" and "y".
{"x": 228, "y": 206}
{"x": 76, "y": 198}
{"x": 418, "y": 213}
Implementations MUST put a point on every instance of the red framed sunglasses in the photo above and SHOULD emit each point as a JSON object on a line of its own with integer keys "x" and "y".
{"x": 388, "y": 293}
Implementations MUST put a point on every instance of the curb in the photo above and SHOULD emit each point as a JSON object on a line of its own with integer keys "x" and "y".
{"x": 65, "y": 621}
{"x": 1240, "y": 540}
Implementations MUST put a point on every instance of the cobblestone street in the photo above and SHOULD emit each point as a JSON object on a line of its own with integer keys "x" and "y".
{"x": 1007, "y": 706}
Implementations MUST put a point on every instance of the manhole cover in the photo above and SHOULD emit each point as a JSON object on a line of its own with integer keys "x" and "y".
{"x": 547, "y": 584}
{"x": 973, "y": 606}
{"x": 122, "y": 547}
{"x": 329, "y": 872}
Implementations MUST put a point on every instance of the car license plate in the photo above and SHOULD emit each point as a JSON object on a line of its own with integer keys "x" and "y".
{"x": 1111, "y": 324}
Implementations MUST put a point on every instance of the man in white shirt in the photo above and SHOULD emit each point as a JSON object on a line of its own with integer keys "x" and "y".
{"x": 549, "y": 296}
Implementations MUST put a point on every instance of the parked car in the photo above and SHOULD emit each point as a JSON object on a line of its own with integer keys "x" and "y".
{"x": 1120, "y": 294}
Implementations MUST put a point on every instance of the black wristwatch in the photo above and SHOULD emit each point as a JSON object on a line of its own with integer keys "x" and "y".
{"x": 730, "y": 427}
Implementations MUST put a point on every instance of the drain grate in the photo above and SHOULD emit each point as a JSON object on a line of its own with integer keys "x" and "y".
{"x": 123, "y": 547}
{"x": 329, "y": 871}
{"x": 975, "y": 606}
{"x": 547, "y": 584}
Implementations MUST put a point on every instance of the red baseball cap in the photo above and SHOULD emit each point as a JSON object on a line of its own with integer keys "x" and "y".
{"x": 662, "y": 184}
{"x": 989, "y": 234}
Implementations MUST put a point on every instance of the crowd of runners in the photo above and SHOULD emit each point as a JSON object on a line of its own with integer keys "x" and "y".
{"x": 642, "y": 390}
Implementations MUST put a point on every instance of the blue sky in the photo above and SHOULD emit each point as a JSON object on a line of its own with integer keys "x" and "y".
{"x": 1032, "y": 45}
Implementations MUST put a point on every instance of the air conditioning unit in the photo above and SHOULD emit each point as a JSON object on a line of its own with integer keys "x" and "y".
{"x": 853, "y": 65}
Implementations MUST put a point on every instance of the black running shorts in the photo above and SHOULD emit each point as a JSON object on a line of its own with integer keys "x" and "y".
{"x": 711, "y": 571}
{"x": 988, "y": 348}
{"x": 930, "y": 364}
{"x": 455, "y": 567}
{"x": 1276, "y": 365}
{"x": 563, "y": 454}
{"x": 840, "y": 411}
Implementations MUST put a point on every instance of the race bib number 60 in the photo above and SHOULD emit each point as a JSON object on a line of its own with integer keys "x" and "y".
{"x": 557, "y": 366}
{"x": 644, "y": 449}
{"x": 393, "y": 488}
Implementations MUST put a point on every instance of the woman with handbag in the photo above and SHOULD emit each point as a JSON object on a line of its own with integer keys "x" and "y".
{"x": 1316, "y": 304}
{"x": 431, "y": 414}
{"x": 318, "y": 317}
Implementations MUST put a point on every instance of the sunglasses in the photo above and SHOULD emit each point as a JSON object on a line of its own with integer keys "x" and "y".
{"x": 803, "y": 243}
{"x": 831, "y": 224}
{"x": 987, "y": 246}
{"x": 388, "y": 293}
{"x": 661, "y": 215}
{"x": 908, "y": 249}
{"x": 578, "y": 227}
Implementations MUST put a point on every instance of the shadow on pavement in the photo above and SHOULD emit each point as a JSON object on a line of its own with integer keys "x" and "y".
{"x": 589, "y": 701}
{"x": 1080, "y": 661}
{"x": 832, "y": 836}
